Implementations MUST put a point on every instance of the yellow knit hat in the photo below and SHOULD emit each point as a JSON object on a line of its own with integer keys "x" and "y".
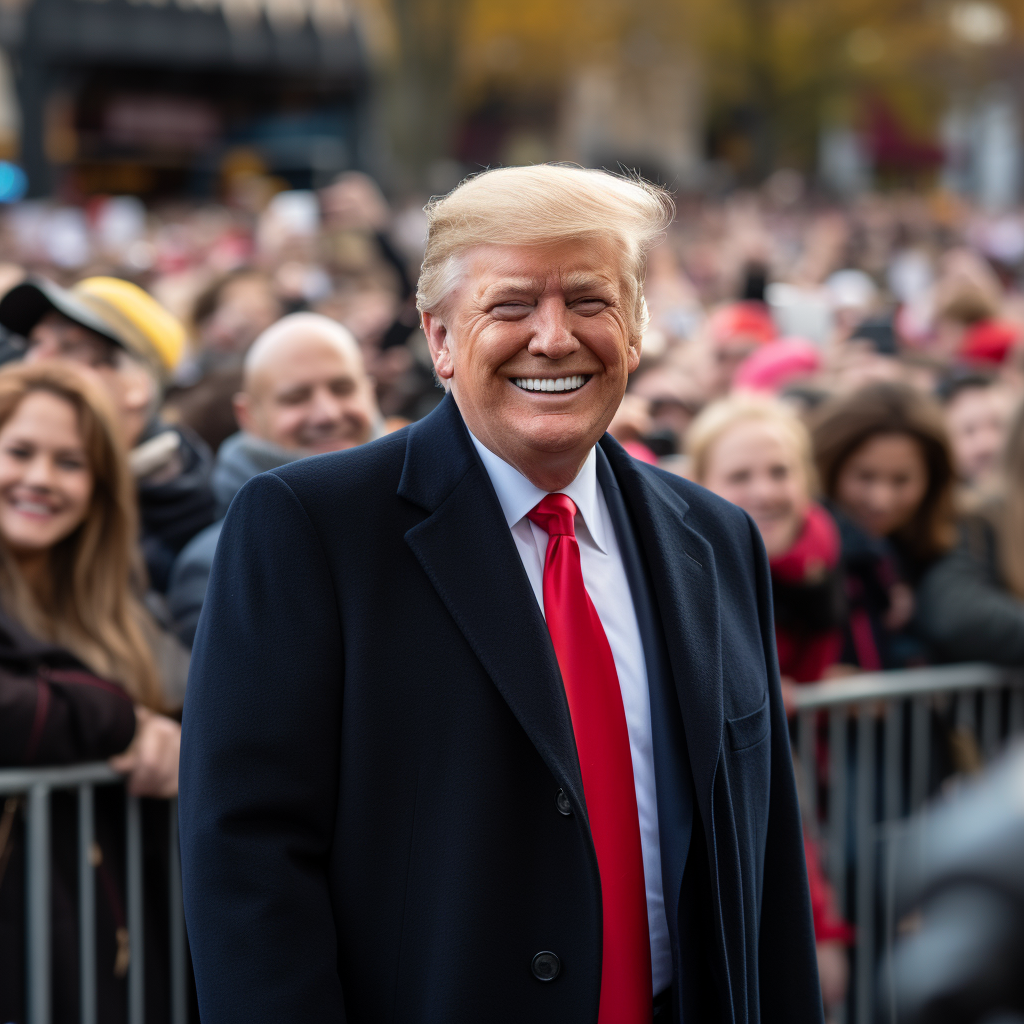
{"x": 135, "y": 319}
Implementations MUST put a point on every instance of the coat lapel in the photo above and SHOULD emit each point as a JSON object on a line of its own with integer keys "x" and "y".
{"x": 682, "y": 568}
{"x": 466, "y": 550}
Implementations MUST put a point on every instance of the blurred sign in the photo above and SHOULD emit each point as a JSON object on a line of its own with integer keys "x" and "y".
{"x": 161, "y": 122}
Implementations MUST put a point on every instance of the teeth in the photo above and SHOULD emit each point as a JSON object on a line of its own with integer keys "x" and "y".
{"x": 33, "y": 508}
{"x": 549, "y": 384}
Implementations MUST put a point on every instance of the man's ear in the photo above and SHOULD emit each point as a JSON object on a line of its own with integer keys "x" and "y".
{"x": 438, "y": 340}
{"x": 241, "y": 405}
{"x": 633, "y": 355}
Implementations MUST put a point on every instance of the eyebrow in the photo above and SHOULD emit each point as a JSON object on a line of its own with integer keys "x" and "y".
{"x": 515, "y": 285}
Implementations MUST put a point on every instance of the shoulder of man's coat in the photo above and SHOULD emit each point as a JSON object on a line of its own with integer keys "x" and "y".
{"x": 711, "y": 516}
{"x": 367, "y": 472}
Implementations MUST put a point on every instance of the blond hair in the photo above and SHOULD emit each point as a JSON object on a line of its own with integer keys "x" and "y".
{"x": 539, "y": 205}
{"x": 91, "y": 608}
{"x": 720, "y": 417}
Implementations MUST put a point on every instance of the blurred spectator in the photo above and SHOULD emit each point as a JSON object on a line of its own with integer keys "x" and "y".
{"x": 73, "y": 662}
{"x": 972, "y": 602}
{"x": 756, "y": 453}
{"x": 227, "y": 317}
{"x": 129, "y": 344}
{"x": 885, "y": 466}
{"x": 736, "y": 330}
{"x": 232, "y": 312}
{"x": 305, "y": 391}
{"x": 978, "y": 411}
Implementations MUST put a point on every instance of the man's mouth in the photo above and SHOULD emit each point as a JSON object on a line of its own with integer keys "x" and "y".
{"x": 573, "y": 383}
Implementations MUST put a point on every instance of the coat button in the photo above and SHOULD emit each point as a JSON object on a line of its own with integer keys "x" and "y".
{"x": 562, "y": 803}
{"x": 546, "y": 966}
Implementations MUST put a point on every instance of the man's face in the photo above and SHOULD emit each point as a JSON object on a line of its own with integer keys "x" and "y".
{"x": 309, "y": 395}
{"x": 57, "y": 337}
{"x": 536, "y": 346}
{"x": 126, "y": 381}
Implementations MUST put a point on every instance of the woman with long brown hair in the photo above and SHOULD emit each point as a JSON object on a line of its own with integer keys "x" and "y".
{"x": 78, "y": 681}
{"x": 972, "y": 602}
{"x": 885, "y": 466}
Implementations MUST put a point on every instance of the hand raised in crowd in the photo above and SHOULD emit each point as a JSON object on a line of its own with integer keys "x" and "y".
{"x": 151, "y": 761}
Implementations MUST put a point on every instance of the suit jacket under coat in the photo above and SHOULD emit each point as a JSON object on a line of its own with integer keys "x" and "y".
{"x": 375, "y": 731}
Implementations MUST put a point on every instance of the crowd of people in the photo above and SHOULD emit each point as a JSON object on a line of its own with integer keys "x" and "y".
{"x": 851, "y": 377}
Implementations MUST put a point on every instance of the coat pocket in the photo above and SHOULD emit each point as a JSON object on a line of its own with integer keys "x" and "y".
{"x": 750, "y": 729}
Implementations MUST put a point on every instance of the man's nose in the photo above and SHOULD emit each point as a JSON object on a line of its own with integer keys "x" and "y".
{"x": 326, "y": 407}
{"x": 552, "y": 335}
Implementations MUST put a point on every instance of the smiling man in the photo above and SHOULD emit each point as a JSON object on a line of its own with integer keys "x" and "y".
{"x": 484, "y": 721}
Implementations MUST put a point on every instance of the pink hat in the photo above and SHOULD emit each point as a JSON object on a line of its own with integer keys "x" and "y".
{"x": 773, "y": 366}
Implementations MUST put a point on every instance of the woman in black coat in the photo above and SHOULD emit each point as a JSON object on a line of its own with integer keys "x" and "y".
{"x": 77, "y": 680}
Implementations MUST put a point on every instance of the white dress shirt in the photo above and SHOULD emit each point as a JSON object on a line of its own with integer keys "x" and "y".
{"x": 604, "y": 576}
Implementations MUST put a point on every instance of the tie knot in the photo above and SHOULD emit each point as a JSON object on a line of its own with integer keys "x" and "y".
{"x": 554, "y": 515}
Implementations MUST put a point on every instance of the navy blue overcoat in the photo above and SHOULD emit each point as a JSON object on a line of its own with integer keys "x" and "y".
{"x": 375, "y": 732}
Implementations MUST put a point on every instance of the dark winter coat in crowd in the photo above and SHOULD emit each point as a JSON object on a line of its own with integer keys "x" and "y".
{"x": 54, "y": 711}
{"x": 807, "y": 594}
{"x": 965, "y": 609}
{"x": 871, "y": 568}
{"x": 240, "y": 458}
{"x": 176, "y": 501}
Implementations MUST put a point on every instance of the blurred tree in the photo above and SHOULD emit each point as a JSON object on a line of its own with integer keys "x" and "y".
{"x": 772, "y": 74}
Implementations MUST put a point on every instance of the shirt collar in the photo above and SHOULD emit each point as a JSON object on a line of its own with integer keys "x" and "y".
{"x": 517, "y": 495}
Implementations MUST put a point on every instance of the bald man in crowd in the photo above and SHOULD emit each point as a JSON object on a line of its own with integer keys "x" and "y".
{"x": 305, "y": 391}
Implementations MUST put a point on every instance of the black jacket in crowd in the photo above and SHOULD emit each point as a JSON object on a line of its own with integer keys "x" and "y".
{"x": 382, "y": 813}
{"x": 54, "y": 711}
{"x": 965, "y": 608}
{"x": 174, "y": 506}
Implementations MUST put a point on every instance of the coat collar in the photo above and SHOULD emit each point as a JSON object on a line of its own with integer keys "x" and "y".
{"x": 682, "y": 567}
{"x": 465, "y": 548}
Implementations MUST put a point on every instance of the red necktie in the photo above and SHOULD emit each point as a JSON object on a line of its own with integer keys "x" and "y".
{"x": 602, "y": 742}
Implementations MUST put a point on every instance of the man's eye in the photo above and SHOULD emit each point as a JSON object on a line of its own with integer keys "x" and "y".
{"x": 587, "y": 307}
{"x": 511, "y": 310}
{"x": 293, "y": 398}
{"x": 18, "y": 452}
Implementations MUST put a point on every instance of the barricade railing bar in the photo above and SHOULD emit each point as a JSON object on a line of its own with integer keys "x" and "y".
{"x": 871, "y": 749}
{"x": 37, "y": 784}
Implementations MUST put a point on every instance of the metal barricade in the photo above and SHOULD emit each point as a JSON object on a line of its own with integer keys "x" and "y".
{"x": 879, "y": 732}
{"x": 37, "y": 784}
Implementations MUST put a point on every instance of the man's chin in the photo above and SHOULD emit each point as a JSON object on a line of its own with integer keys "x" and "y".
{"x": 334, "y": 445}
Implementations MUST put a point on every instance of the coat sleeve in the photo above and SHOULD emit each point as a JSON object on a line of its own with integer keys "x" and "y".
{"x": 258, "y": 785}
{"x": 965, "y": 612}
{"x": 787, "y": 962}
{"x": 62, "y": 717}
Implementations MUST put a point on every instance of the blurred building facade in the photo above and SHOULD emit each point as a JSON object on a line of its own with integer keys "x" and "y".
{"x": 158, "y": 98}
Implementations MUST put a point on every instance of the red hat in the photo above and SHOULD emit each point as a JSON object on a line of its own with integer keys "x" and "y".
{"x": 749, "y": 321}
{"x": 989, "y": 341}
